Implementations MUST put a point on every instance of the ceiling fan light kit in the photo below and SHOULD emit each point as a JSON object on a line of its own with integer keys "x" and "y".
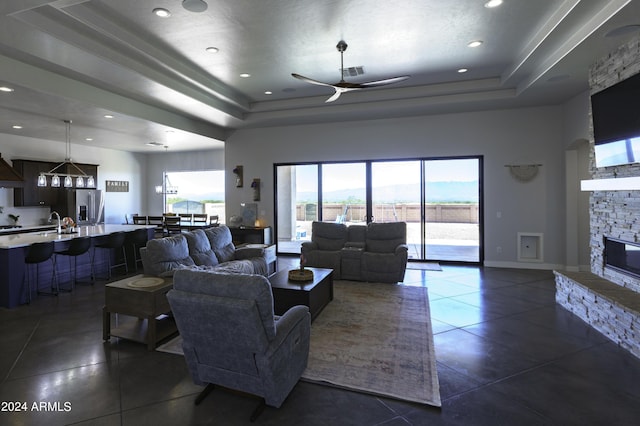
{"x": 343, "y": 86}
{"x": 195, "y": 5}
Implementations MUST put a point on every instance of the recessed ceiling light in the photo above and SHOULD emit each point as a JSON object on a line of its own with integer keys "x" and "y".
{"x": 268, "y": 92}
{"x": 108, "y": 116}
{"x": 88, "y": 139}
{"x": 5, "y": 89}
{"x": 475, "y": 43}
{"x": 212, "y": 49}
{"x": 16, "y": 126}
{"x": 462, "y": 70}
{"x": 161, "y": 12}
{"x": 493, "y": 3}
{"x": 245, "y": 75}
{"x": 195, "y": 5}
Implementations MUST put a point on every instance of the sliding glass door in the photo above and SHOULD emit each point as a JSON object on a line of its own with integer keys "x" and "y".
{"x": 395, "y": 196}
{"x": 439, "y": 199}
{"x": 344, "y": 192}
{"x": 451, "y": 210}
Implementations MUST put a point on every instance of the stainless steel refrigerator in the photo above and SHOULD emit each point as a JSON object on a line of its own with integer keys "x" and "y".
{"x": 86, "y": 206}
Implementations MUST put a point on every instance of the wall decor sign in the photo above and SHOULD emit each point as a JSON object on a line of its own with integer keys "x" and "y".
{"x": 117, "y": 185}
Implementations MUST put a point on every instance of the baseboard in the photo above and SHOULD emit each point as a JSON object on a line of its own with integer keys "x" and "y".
{"x": 522, "y": 265}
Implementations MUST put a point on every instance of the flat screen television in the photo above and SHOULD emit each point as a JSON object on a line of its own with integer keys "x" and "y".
{"x": 616, "y": 123}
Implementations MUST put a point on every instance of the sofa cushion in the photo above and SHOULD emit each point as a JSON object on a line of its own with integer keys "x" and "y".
{"x": 221, "y": 243}
{"x": 200, "y": 248}
{"x": 166, "y": 254}
{"x": 385, "y": 237}
{"x": 328, "y": 235}
{"x": 356, "y": 236}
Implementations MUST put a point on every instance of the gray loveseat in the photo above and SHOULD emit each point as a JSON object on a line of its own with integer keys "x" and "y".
{"x": 376, "y": 252}
{"x": 211, "y": 249}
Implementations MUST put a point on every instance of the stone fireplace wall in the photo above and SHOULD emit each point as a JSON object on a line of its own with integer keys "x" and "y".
{"x": 614, "y": 214}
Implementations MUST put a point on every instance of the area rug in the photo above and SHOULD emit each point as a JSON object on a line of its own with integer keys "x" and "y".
{"x": 173, "y": 346}
{"x": 376, "y": 338}
{"x": 424, "y": 266}
{"x": 372, "y": 338}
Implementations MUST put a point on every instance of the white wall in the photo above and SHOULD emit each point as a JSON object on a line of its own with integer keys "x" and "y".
{"x": 518, "y": 136}
{"x": 576, "y": 135}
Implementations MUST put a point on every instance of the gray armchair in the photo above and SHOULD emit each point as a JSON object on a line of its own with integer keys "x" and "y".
{"x": 231, "y": 337}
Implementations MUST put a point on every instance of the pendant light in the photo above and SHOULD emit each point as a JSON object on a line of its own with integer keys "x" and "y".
{"x": 66, "y": 167}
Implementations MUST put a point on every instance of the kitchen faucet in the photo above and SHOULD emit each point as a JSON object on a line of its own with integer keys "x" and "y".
{"x": 59, "y": 224}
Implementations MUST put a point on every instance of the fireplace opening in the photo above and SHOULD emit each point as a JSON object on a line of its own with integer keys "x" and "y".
{"x": 623, "y": 256}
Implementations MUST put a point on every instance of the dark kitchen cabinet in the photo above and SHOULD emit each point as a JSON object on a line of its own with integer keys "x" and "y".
{"x": 32, "y": 194}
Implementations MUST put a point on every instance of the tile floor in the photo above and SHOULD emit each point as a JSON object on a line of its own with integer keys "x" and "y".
{"x": 507, "y": 354}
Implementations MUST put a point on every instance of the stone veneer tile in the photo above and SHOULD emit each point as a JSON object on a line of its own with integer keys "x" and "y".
{"x": 609, "y": 308}
{"x": 614, "y": 214}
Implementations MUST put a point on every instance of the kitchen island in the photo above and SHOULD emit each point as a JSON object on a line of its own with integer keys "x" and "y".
{"x": 13, "y": 248}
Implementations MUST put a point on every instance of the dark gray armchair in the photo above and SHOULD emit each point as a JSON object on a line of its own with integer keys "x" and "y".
{"x": 231, "y": 337}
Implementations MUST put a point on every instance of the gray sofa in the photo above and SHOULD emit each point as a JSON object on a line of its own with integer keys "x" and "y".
{"x": 231, "y": 337}
{"x": 211, "y": 249}
{"x": 376, "y": 252}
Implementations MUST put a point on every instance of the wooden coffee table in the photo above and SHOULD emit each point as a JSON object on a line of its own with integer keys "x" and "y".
{"x": 315, "y": 294}
{"x": 135, "y": 297}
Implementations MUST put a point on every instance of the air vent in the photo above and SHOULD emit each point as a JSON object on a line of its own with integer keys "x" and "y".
{"x": 153, "y": 144}
{"x": 353, "y": 71}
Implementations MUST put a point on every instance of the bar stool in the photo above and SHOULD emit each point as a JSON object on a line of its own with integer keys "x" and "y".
{"x": 77, "y": 247}
{"x": 137, "y": 239}
{"x": 112, "y": 241}
{"x": 38, "y": 253}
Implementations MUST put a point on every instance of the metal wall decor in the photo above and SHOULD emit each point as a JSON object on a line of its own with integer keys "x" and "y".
{"x": 523, "y": 172}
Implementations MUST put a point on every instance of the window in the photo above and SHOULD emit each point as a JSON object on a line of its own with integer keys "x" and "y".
{"x": 195, "y": 192}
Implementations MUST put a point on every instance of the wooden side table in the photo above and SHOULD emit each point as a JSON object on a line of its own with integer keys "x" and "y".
{"x": 136, "y": 297}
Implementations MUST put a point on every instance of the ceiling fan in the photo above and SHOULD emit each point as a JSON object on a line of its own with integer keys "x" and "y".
{"x": 344, "y": 86}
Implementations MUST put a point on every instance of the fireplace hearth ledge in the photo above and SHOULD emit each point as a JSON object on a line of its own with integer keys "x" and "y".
{"x": 609, "y": 308}
{"x": 614, "y": 184}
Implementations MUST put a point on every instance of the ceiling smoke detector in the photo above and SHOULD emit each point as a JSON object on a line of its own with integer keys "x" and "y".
{"x": 195, "y": 5}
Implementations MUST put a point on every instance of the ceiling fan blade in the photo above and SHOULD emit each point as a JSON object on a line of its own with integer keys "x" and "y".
{"x": 384, "y": 82}
{"x": 334, "y": 96}
{"x": 345, "y": 86}
{"x": 310, "y": 80}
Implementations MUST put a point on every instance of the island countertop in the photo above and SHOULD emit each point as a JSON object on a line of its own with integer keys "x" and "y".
{"x": 28, "y": 238}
